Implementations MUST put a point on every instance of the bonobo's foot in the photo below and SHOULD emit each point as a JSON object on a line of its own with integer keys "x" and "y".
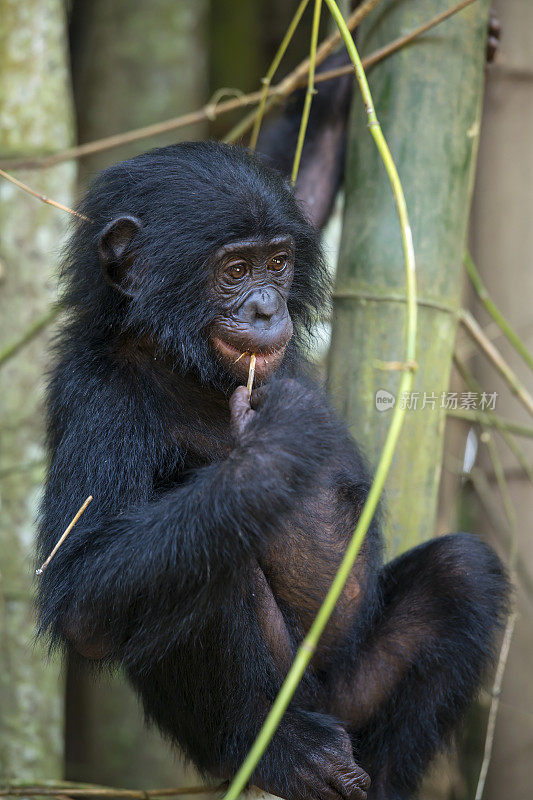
{"x": 493, "y": 37}
{"x": 321, "y": 772}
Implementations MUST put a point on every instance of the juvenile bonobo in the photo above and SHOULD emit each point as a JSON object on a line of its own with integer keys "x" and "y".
{"x": 218, "y": 523}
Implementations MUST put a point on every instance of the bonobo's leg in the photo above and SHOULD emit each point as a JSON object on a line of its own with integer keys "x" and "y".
{"x": 401, "y": 694}
{"x": 212, "y": 693}
{"x": 322, "y": 165}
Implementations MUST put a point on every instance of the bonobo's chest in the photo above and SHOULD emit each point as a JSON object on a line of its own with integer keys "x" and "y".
{"x": 200, "y": 429}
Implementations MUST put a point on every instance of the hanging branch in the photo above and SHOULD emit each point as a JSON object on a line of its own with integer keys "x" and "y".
{"x": 212, "y": 111}
{"x": 368, "y": 61}
{"x": 307, "y": 647}
{"x": 495, "y": 312}
{"x": 295, "y": 80}
{"x": 494, "y": 355}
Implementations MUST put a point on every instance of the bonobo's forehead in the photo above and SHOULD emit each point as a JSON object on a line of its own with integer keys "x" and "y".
{"x": 225, "y": 191}
{"x": 255, "y": 246}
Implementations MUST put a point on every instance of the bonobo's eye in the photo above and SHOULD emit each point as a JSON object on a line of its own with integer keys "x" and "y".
{"x": 278, "y": 262}
{"x": 236, "y": 270}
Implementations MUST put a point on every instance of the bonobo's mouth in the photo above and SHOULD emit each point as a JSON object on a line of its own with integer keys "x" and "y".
{"x": 237, "y": 360}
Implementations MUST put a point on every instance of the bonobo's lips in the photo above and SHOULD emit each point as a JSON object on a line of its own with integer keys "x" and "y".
{"x": 237, "y": 360}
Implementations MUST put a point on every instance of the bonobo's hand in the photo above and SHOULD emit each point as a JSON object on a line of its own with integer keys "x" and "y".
{"x": 320, "y": 771}
{"x": 282, "y": 402}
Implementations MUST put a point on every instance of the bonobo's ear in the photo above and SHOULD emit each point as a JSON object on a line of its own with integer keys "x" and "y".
{"x": 117, "y": 253}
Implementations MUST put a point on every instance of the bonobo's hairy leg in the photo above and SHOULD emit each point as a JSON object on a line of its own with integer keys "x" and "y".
{"x": 423, "y": 659}
{"x": 212, "y": 692}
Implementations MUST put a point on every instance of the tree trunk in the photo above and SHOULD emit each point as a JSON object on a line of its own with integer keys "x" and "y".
{"x": 135, "y": 64}
{"x": 35, "y": 118}
{"x": 428, "y": 98}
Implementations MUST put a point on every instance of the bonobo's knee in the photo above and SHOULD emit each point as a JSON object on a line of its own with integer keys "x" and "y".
{"x": 471, "y": 588}
{"x": 470, "y": 566}
{"x": 456, "y": 574}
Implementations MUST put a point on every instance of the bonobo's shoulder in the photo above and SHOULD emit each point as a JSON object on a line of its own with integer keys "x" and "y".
{"x": 348, "y": 450}
{"x": 88, "y": 385}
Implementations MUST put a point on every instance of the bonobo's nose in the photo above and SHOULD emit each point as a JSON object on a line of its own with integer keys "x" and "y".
{"x": 262, "y": 308}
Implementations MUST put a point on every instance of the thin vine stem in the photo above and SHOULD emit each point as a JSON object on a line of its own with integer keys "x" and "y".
{"x": 495, "y": 312}
{"x": 276, "y": 61}
{"x": 491, "y": 421}
{"x": 308, "y": 646}
{"x": 40, "y": 324}
{"x": 309, "y": 93}
{"x": 507, "y": 434}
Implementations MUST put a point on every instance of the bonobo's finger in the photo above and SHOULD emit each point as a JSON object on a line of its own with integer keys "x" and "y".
{"x": 259, "y": 395}
{"x": 241, "y": 413}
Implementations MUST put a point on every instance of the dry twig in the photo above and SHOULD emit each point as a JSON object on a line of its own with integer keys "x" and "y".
{"x": 75, "y": 790}
{"x": 251, "y": 374}
{"x": 295, "y": 80}
{"x": 494, "y": 355}
{"x": 493, "y": 713}
{"x": 42, "y": 197}
{"x": 64, "y": 536}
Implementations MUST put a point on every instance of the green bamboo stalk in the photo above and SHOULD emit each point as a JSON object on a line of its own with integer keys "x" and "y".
{"x": 307, "y": 648}
{"x": 437, "y": 164}
{"x": 495, "y": 312}
{"x": 267, "y": 80}
{"x": 309, "y": 93}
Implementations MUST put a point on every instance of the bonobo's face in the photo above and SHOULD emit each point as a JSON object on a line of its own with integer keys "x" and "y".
{"x": 250, "y": 284}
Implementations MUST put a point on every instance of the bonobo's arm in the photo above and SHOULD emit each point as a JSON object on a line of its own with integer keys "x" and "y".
{"x": 171, "y": 583}
{"x": 322, "y": 165}
{"x": 137, "y": 563}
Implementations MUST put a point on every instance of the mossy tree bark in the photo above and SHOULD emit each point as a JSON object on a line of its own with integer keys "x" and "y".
{"x": 35, "y": 118}
{"x": 133, "y": 64}
{"x": 428, "y": 98}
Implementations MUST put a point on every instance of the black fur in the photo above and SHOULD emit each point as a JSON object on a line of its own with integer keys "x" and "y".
{"x": 204, "y": 556}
